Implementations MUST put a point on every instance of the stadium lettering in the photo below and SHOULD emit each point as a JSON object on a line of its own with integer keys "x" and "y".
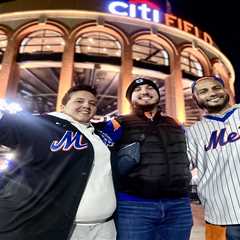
{"x": 147, "y": 10}
{"x": 69, "y": 140}
{"x": 134, "y": 10}
{"x": 217, "y": 138}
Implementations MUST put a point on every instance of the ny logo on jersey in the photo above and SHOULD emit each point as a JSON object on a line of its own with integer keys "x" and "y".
{"x": 218, "y": 138}
{"x": 69, "y": 140}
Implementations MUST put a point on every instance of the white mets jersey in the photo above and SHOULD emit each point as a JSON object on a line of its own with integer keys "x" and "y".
{"x": 214, "y": 148}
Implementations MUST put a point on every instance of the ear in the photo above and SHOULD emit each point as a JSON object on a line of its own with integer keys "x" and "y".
{"x": 194, "y": 97}
{"x": 196, "y": 101}
{"x": 62, "y": 107}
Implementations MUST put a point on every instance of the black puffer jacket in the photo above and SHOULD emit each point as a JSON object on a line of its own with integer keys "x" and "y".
{"x": 163, "y": 170}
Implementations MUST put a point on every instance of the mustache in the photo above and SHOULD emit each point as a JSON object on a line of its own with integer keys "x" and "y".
{"x": 213, "y": 109}
{"x": 145, "y": 95}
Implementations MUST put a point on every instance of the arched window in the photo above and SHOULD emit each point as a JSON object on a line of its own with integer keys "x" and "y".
{"x": 37, "y": 87}
{"x": 43, "y": 41}
{"x": 97, "y": 62}
{"x": 39, "y": 58}
{"x": 3, "y": 43}
{"x": 192, "y": 69}
{"x": 192, "y": 111}
{"x": 151, "y": 60}
{"x": 148, "y": 51}
{"x": 190, "y": 64}
{"x": 98, "y": 44}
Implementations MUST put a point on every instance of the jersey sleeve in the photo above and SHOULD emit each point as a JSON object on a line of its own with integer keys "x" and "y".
{"x": 109, "y": 131}
{"x": 113, "y": 129}
{"x": 192, "y": 148}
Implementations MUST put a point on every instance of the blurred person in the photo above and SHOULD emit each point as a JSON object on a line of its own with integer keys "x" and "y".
{"x": 61, "y": 172}
{"x": 213, "y": 147}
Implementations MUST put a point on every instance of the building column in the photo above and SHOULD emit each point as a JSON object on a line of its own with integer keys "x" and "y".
{"x": 67, "y": 69}
{"x": 125, "y": 78}
{"x": 9, "y": 72}
{"x": 174, "y": 95}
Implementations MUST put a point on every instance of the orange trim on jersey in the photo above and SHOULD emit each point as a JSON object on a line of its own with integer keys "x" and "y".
{"x": 116, "y": 124}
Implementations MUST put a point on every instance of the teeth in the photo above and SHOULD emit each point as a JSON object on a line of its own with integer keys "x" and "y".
{"x": 214, "y": 99}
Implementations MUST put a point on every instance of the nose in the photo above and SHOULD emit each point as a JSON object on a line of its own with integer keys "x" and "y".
{"x": 144, "y": 91}
{"x": 86, "y": 105}
{"x": 212, "y": 92}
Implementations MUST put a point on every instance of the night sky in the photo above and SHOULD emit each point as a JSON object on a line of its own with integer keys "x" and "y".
{"x": 221, "y": 19}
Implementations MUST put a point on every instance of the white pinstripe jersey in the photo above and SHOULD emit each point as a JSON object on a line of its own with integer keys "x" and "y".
{"x": 214, "y": 148}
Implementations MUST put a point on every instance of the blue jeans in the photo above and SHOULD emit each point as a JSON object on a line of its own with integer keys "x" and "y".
{"x": 233, "y": 232}
{"x": 165, "y": 219}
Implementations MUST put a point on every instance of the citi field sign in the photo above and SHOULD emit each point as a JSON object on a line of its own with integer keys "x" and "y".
{"x": 149, "y": 11}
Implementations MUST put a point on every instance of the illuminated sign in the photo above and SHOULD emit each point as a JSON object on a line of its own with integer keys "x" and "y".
{"x": 134, "y": 10}
{"x": 146, "y": 10}
{"x": 173, "y": 21}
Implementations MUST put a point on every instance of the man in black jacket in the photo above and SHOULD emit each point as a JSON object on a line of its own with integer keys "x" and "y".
{"x": 61, "y": 172}
{"x": 153, "y": 199}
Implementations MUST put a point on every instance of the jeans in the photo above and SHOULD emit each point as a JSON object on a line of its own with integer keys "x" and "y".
{"x": 165, "y": 219}
{"x": 233, "y": 232}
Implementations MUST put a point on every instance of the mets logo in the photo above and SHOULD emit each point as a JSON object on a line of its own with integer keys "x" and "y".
{"x": 221, "y": 138}
{"x": 69, "y": 140}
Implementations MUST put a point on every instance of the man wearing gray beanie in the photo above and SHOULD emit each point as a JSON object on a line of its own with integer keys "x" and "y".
{"x": 152, "y": 194}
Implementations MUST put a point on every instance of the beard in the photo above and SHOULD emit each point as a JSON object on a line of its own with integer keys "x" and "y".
{"x": 214, "y": 109}
{"x": 141, "y": 109}
{"x": 144, "y": 108}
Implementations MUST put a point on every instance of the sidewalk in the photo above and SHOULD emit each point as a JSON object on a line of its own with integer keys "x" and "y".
{"x": 198, "y": 230}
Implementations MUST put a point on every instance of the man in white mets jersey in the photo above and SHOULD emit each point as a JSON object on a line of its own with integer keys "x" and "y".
{"x": 214, "y": 148}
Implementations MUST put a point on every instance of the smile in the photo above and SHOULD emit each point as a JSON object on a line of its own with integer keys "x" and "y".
{"x": 216, "y": 99}
{"x": 85, "y": 112}
{"x": 146, "y": 98}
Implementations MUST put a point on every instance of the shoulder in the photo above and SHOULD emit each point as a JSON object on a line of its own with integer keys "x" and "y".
{"x": 236, "y": 107}
{"x": 171, "y": 121}
{"x": 196, "y": 129}
{"x": 51, "y": 118}
{"x": 128, "y": 119}
{"x": 124, "y": 118}
{"x": 17, "y": 118}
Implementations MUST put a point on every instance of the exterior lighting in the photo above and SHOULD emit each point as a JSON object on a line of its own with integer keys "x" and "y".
{"x": 4, "y": 165}
{"x": 10, "y": 107}
{"x": 91, "y": 40}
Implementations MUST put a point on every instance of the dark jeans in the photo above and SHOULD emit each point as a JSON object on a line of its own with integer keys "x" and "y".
{"x": 166, "y": 219}
{"x": 233, "y": 232}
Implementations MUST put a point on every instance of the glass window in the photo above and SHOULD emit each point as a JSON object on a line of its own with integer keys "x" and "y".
{"x": 3, "y": 43}
{"x": 193, "y": 112}
{"x": 43, "y": 41}
{"x": 106, "y": 80}
{"x": 150, "y": 52}
{"x": 37, "y": 89}
{"x": 190, "y": 64}
{"x": 98, "y": 44}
